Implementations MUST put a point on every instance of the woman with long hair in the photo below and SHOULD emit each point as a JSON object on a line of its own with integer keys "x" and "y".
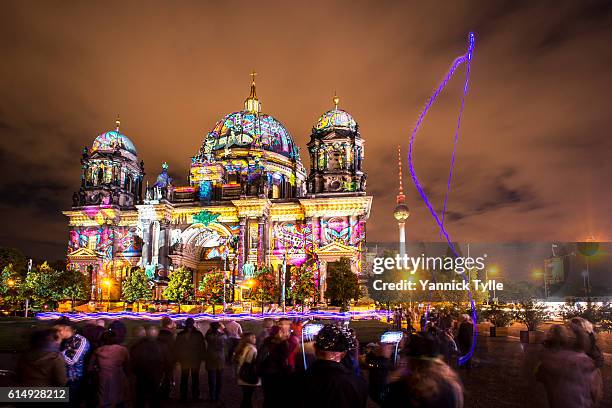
{"x": 245, "y": 358}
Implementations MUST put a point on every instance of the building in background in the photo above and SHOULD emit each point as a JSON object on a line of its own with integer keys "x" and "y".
{"x": 249, "y": 203}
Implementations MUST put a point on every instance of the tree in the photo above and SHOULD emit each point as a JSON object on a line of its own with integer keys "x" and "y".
{"x": 10, "y": 286}
{"x": 266, "y": 287}
{"x": 210, "y": 288}
{"x": 45, "y": 285}
{"x": 75, "y": 285}
{"x": 302, "y": 285}
{"x": 14, "y": 257}
{"x": 180, "y": 287}
{"x": 532, "y": 314}
{"x": 136, "y": 287}
{"x": 342, "y": 284}
{"x": 497, "y": 316}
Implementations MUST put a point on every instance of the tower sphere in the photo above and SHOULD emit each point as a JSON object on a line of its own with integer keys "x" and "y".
{"x": 401, "y": 212}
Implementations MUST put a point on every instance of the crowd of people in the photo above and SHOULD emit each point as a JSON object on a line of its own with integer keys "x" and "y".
{"x": 292, "y": 365}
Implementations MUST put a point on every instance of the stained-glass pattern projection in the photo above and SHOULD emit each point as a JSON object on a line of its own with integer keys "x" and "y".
{"x": 336, "y": 229}
{"x": 336, "y": 118}
{"x": 109, "y": 141}
{"x": 289, "y": 238}
{"x": 247, "y": 129}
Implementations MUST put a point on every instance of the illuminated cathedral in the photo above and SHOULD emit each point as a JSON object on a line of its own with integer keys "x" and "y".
{"x": 249, "y": 202}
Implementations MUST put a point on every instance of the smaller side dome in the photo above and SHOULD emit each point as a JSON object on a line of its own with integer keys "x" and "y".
{"x": 335, "y": 119}
{"x": 112, "y": 140}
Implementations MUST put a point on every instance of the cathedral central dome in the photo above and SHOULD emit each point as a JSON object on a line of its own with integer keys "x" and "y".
{"x": 248, "y": 129}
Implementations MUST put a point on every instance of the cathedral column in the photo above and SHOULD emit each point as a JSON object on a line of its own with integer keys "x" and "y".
{"x": 262, "y": 243}
{"x": 322, "y": 280}
{"x": 164, "y": 239}
{"x": 242, "y": 247}
{"x": 146, "y": 242}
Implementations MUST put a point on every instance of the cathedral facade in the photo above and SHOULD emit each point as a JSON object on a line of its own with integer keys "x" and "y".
{"x": 249, "y": 202}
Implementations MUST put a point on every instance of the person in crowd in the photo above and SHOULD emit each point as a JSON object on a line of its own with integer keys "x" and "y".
{"x": 351, "y": 357}
{"x": 166, "y": 337}
{"x": 448, "y": 347}
{"x": 188, "y": 349}
{"x": 570, "y": 377}
{"x": 305, "y": 356}
{"x": 267, "y": 325}
{"x": 110, "y": 364}
{"x": 214, "y": 358}
{"x": 274, "y": 368}
{"x": 245, "y": 358}
{"x": 74, "y": 348}
{"x": 42, "y": 365}
{"x": 138, "y": 333}
{"x": 233, "y": 330}
{"x": 464, "y": 338}
{"x": 328, "y": 383}
{"x": 148, "y": 360}
{"x": 588, "y": 344}
{"x": 426, "y": 381}
{"x": 379, "y": 362}
{"x": 120, "y": 330}
{"x": 423, "y": 321}
{"x": 93, "y": 331}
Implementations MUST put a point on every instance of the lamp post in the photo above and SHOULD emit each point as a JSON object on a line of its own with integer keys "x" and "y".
{"x": 493, "y": 270}
{"x": 107, "y": 282}
{"x": 537, "y": 272}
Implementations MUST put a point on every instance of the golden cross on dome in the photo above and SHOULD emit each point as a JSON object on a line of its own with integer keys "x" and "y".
{"x": 336, "y": 100}
{"x": 253, "y": 75}
{"x": 117, "y": 122}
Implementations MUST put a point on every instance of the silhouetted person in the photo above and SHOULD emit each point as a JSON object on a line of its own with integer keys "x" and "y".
{"x": 189, "y": 349}
{"x": 110, "y": 363}
{"x": 427, "y": 382}
{"x": 464, "y": 338}
{"x": 148, "y": 361}
{"x": 42, "y": 365}
{"x": 166, "y": 337}
{"x": 328, "y": 383}
{"x": 214, "y": 358}
{"x": 570, "y": 377}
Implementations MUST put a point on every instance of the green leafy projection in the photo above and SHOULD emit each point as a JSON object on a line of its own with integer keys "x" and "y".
{"x": 205, "y": 217}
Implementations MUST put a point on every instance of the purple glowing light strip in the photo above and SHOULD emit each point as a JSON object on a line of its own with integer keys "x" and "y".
{"x": 370, "y": 314}
{"x": 467, "y": 58}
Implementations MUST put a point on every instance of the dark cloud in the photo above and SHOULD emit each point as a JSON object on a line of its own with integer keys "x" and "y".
{"x": 532, "y": 161}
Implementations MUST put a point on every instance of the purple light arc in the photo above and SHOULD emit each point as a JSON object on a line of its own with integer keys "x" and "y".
{"x": 467, "y": 59}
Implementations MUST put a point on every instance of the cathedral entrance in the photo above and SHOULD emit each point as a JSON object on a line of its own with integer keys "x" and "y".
{"x": 205, "y": 248}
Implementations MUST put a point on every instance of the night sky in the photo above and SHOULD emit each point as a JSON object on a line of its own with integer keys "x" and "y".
{"x": 534, "y": 156}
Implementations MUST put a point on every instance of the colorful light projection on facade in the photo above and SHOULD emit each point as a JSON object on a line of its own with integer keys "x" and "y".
{"x": 250, "y": 129}
{"x": 335, "y": 118}
{"x": 439, "y": 218}
{"x": 112, "y": 140}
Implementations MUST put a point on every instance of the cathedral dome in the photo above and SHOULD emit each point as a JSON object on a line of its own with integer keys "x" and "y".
{"x": 335, "y": 118}
{"x": 248, "y": 129}
{"x": 112, "y": 140}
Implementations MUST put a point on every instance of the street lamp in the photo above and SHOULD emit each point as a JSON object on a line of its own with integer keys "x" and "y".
{"x": 493, "y": 270}
{"x": 107, "y": 282}
{"x": 537, "y": 272}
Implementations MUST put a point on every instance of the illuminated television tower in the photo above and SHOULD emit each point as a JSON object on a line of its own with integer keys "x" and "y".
{"x": 401, "y": 212}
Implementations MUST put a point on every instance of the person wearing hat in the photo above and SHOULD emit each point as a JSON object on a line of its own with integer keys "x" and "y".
{"x": 329, "y": 383}
{"x": 189, "y": 349}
